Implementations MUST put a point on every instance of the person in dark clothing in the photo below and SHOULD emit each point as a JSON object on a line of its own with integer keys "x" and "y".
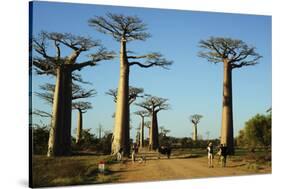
{"x": 223, "y": 152}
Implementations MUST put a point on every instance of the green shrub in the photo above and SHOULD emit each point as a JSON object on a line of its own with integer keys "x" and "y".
{"x": 40, "y": 137}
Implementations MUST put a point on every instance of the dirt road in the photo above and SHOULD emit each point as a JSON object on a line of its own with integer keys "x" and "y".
{"x": 178, "y": 167}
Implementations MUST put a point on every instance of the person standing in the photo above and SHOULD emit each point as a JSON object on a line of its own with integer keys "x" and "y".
{"x": 119, "y": 154}
{"x": 223, "y": 150}
{"x": 210, "y": 151}
{"x": 134, "y": 152}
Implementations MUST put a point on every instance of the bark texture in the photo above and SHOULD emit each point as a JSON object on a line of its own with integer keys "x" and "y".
{"x": 142, "y": 133}
{"x": 227, "y": 114}
{"x": 154, "y": 139}
{"x": 121, "y": 137}
{"x": 60, "y": 132}
{"x": 194, "y": 132}
{"x": 79, "y": 127}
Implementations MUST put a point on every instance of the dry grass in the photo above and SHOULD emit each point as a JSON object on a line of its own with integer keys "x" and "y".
{"x": 63, "y": 171}
{"x": 83, "y": 169}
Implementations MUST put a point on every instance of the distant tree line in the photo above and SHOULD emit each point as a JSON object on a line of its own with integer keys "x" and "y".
{"x": 89, "y": 142}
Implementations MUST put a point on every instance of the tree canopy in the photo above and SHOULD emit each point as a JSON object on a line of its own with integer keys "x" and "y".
{"x": 129, "y": 28}
{"x": 236, "y": 52}
{"x": 134, "y": 93}
{"x": 78, "y": 92}
{"x": 154, "y": 104}
{"x": 142, "y": 113}
{"x": 82, "y": 106}
{"x": 46, "y": 62}
{"x": 195, "y": 119}
{"x": 120, "y": 26}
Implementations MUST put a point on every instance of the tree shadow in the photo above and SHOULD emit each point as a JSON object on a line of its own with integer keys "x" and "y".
{"x": 238, "y": 165}
{"x": 191, "y": 156}
{"x": 86, "y": 154}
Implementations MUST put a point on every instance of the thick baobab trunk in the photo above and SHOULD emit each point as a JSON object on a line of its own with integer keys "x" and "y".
{"x": 141, "y": 132}
{"x": 60, "y": 132}
{"x": 121, "y": 138}
{"x": 154, "y": 141}
{"x": 227, "y": 114}
{"x": 79, "y": 127}
{"x": 195, "y": 132}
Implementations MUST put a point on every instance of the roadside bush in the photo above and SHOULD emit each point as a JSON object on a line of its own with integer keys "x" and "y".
{"x": 256, "y": 133}
{"x": 39, "y": 137}
{"x": 90, "y": 143}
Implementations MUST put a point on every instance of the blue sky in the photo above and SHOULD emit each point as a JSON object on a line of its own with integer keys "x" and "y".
{"x": 192, "y": 84}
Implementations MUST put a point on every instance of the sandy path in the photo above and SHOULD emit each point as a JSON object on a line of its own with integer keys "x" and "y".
{"x": 174, "y": 168}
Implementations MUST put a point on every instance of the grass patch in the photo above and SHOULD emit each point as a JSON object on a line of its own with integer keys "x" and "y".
{"x": 74, "y": 170}
{"x": 257, "y": 162}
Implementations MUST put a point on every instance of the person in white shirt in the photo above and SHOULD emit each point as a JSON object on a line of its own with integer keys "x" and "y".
{"x": 210, "y": 151}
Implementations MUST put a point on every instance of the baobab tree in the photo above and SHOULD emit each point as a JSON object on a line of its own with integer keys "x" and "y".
{"x": 154, "y": 105}
{"x": 138, "y": 135}
{"x": 233, "y": 54}
{"x": 41, "y": 113}
{"x": 100, "y": 130}
{"x": 125, "y": 29}
{"x": 134, "y": 93}
{"x": 82, "y": 108}
{"x": 165, "y": 132}
{"x": 195, "y": 119}
{"x": 78, "y": 92}
{"x": 142, "y": 114}
{"x": 147, "y": 124}
{"x": 62, "y": 67}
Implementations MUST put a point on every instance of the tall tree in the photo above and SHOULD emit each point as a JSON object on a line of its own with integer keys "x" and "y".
{"x": 154, "y": 105}
{"x": 78, "y": 92}
{"x": 142, "y": 114}
{"x": 134, "y": 93}
{"x": 147, "y": 124}
{"x": 138, "y": 135}
{"x": 62, "y": 67}
{"x": 100, "y": 130}
{"x": 82, "y": 108}
{"x": 195, "y": 119}
{"x": 125, "y": 29}
{"x": 233, "y": 54}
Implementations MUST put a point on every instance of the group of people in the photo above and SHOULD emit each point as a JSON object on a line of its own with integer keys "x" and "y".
{"x": 222, "y": 153}
{"x": 134, "y": 151}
